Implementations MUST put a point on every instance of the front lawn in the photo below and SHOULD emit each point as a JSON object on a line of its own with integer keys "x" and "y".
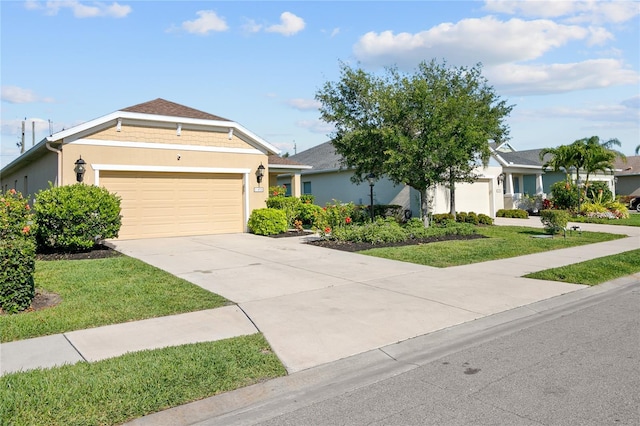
{"x": 503, "y": 242}
{"x": 116, "y": 390}
{"x": 595, "y": 271}
{"x": 104, "y": 291}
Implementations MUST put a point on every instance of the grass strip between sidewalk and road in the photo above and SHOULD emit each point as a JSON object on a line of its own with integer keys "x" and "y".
{"x": 99, "y": 292}
{"x": 116, "y": 390}
{"x": 595, "y": 271}
{"x": 632, "y": 220}
{"x": 502, "y": 242}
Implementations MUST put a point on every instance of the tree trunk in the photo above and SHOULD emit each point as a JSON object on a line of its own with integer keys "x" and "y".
{"x": 424, "y": 206}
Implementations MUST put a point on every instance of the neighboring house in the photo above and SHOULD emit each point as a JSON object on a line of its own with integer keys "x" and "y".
{"x": 628, "y": 176}
{"x": 329, "y": 180}
{"x": 524, "y": 176}
{"x": 178, "y": 170}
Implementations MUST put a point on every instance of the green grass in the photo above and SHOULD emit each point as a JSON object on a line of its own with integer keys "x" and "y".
{"x": 595, "y": 271}
{"x": 104, "y": 291}
{"x": 503, "y": 242}
{"x": 116, "y": 390}
{"x": 633, "y": 220}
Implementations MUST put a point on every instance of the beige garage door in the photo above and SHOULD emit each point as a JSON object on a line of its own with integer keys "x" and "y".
{"x": 176, "y": 204}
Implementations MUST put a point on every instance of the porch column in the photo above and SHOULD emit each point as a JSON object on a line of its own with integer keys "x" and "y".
{"x": 509, "y": 184}
{"x": 539, "y": 187}
{"x": 295, "y": 185}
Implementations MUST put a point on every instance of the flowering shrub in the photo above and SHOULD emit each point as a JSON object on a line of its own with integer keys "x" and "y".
{"x": 289, "y": 205}
{"x": 565, "y": 196}
{"x": 277, "y": 191}
{"x": 307, "y": 199}
{"x": 17, "y": 253}
{"x": 335, "y": 215}
{"x": 547, "y": 204}
{"x": 76, "y": 217}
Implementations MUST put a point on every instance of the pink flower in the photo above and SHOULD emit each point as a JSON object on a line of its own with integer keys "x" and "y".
{"x": 26, "y": 229}
{"x": 12, "y": 191}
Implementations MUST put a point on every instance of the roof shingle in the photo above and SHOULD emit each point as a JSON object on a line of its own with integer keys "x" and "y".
{"x": 163, "y": 107}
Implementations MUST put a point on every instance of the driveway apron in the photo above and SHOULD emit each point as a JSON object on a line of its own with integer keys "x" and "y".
{"x": 317, "y": 305}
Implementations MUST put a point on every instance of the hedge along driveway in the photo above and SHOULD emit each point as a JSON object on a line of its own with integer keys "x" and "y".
{"x": 105, "y": 291}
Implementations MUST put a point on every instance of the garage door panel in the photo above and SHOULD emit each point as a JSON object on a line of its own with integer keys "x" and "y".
{"x": 171, "y": 204}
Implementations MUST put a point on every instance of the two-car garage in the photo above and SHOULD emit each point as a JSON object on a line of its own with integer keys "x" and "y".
{"x": 161, "y": 204}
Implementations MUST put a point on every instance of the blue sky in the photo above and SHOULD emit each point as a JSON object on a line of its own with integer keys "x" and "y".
{"x": 572, "y": 68}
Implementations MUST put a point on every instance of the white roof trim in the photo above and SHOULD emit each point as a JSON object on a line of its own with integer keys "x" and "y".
{"x": 161, "y": 118}
{"x": 166, "y": 146}
{"x": 289, "y": 166}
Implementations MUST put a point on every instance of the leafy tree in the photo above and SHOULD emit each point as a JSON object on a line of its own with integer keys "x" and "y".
{"x": 420, "y": 129}
{"x": 561, "y": 158}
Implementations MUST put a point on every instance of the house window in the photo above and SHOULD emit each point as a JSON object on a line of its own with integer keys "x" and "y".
{"x": 288, "y": 190}
{"x": 306, "y": 187}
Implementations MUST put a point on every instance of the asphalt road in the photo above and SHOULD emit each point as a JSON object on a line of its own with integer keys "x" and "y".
{"x": 580, "y": 366}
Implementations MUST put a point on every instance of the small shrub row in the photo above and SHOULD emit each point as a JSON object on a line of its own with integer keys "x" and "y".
{"x": 388, "y": 230}
{"x": 267, "y": 221}
{"x": 512, "y": 213}
{"x": 462, "y": 217}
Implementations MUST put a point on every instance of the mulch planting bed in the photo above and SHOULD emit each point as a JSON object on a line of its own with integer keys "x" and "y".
{"x": 97, "y": 252}
{"x": 353, "y": 247}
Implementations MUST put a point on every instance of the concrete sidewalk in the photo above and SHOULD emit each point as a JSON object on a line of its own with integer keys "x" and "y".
{"x": 313, "y": 305}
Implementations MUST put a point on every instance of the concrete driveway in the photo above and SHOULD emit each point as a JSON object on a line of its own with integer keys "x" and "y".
{"x": 317, "y": 305}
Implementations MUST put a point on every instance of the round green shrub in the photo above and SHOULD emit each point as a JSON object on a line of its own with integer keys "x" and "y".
{"x": 267, "y": 221}
{"x": 554, "y": 221}
{"x": 441, "y": 218}
{"x": 484, "y": 219}
{"x": 75, "y": 217}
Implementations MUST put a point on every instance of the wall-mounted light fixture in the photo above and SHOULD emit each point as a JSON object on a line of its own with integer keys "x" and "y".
{"x": 80, "y": 168}
{"x": 500, "y": 178}
{"x": 260, "y": 173}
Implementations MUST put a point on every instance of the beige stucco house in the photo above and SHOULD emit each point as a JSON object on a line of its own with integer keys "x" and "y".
{"x": 178, "y": 171}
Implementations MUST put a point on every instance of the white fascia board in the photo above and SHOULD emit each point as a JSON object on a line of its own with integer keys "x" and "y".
{"x": 288, "y": 167}
{"x": 167, "y": 146}
{"x": 165, "y": 119}
{"x": 168, "y": 169}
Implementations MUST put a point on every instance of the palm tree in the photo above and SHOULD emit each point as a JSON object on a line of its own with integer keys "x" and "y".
{"x": 637, "y": 149}
{"x": 562, "y": 158}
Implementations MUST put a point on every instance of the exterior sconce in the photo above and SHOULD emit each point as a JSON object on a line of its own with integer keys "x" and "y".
{"x": 80, "y": 168}
{"x": 260, "y": 173}
{"x": 501, "y": 178}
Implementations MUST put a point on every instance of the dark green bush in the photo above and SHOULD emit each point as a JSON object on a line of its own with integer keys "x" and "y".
{"x": 484, "y": 219}
{"x": 17, "y": 253}
{"x": 267, "y": 221}
{"x": 513, "y": 213}
{"x": 75, "y": 217}
{"x": 441, "y": 218}
{"x": 17, "y": 266}
{"x": 289, "y": 205}
{"x": 381, "y": 231}
{"x": 465, "y": 217}
{"x": 599, "y": 190}
{"x": 554, "y": 221}
{"x": 565, "y": 196}
{"x": 308, "y": 214}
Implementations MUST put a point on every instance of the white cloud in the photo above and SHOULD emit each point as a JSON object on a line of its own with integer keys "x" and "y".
{"x": 81, "y": 10}
{"x": 316, "y": 126}
{"x": 206, "y": 22}
{"x": 487, "y": 40}
{"x": 558, "y": 78}
{"x": 251, "y": 26}
{"x": 304, "y": 104}
{"x": 633, "y": 102}
{"x": 335, "y": 32}
{"x": 18, "y": 95}
{"x": 289, "y": 24}
{"x": 581, "y": 11}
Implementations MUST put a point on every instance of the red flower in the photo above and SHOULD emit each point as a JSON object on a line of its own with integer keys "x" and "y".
{"x": 26, "y": 230}
{"x": 27, "y": 207}
{"x": 347, "y": 220}
{"x": 327, "y": 230}
{"x": 324, "y": 208}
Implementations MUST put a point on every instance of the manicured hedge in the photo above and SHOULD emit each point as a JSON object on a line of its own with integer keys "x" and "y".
{"x": 267, "y": 221}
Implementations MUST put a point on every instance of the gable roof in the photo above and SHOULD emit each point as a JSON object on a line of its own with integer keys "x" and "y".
{"x": 163, "y": 107}
{"x": 529, "y": 157}
{"x": 320, "y": 157}
{"x": 628, "y": 167}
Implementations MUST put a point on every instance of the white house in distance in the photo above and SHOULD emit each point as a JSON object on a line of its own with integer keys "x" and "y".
{"x": 327, "y": 180}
